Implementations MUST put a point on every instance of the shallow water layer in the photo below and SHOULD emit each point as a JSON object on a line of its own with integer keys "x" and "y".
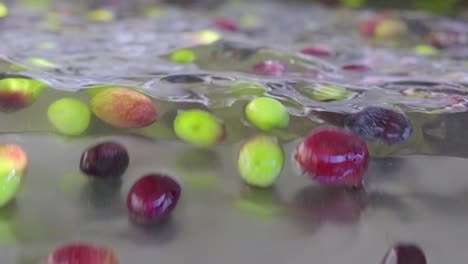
{"x": 409, "y": 198}
{"x": 415, "y": 191}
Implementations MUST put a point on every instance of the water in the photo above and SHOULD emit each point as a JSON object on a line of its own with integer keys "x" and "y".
{"x": 415, "y": 191}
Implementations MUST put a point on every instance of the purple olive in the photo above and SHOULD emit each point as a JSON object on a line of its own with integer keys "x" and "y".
{"x": 405, "y": 254}
{"x": 105, "y": 160}
{"x": 377, "y": 123}
{"x": 152, "y": 198}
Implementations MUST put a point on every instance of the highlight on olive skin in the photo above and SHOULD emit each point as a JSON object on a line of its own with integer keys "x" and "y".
{"x": 405, "y": 253}
{"x": 69, "y": 116}
{"x": 333, "y": 156}
{"x": 13, "y": 165}
{"x": 82, "y": 253}
{"x": 267, "y": 113}
{"x": 199, "y": 128}
{"x": 123, "y": 108}
{"x": 17, "y": 93}
{"x": 106, "y": 160}
{"x": 377, "y": 123}
{"x": 260, "y": 161}
{"x": 152, "y": 198}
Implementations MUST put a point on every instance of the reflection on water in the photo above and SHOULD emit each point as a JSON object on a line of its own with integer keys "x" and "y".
{"x": 164, "y": 232}
{"x": 103, "y": 197}
{"x": 198, "y": 158}
{"x": 7, "y": 224}
{"x": 415, "y": 190}
{"x": 316, "y": 205}
{"x": 259, "y": 202}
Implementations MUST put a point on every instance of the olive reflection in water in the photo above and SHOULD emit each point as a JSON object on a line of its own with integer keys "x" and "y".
{"x": 319, "y": 204}
{"x": 383, "y": 170}
{"x": 197, "y": 158}
{"x": 8, "y": 224}
{"x": 259, "y": 202}
{"x": 316, "y": 205}
{"x": 159, "y": 233}
{"x": 198, "y": 168}
{"x": 103, "y": 196}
